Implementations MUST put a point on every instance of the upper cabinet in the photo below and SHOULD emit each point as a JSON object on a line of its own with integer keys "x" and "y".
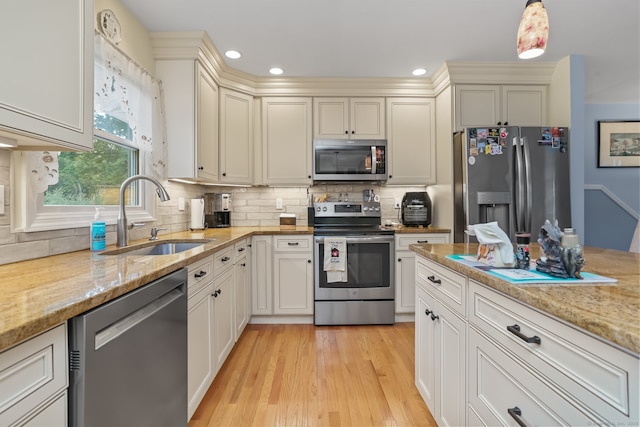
{"x": 191, "y": 107}
{"x": 42, "y": 104}
{"x": 349, "y": 118}
{"x": 411, "y": 135}
{"x": 490, "y": 105}
{"x": 286, "y": 140}
{"x": 236, "y": 137}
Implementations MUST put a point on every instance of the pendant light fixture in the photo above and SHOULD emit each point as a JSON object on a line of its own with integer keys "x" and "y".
{"x": 533, "y": 31}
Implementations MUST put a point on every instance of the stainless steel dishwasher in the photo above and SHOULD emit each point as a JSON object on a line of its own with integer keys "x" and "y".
{"x": 129, "y": 359}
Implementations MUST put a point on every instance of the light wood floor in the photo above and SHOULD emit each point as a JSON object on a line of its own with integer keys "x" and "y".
{"x": 304, "y": 375}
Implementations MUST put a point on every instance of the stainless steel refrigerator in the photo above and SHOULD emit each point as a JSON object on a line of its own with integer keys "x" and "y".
{"x": 517, "y": 176}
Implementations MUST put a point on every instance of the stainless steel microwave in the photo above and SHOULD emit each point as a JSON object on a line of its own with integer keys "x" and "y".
{"x": 349, "y": 160}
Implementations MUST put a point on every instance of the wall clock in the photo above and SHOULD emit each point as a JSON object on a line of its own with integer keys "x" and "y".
{"x": 109, "y": 25}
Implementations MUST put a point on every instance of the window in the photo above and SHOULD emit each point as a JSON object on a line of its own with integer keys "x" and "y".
{"x": 58, "y": 190}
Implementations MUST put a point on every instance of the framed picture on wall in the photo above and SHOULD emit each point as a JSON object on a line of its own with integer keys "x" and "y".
{"x": 619, "y": 144}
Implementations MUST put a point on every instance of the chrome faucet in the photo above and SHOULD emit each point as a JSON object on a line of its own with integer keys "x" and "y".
{"x": 122, "y": 229}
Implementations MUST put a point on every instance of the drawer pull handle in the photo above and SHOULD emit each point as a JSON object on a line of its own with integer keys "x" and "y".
{"x": 200, "y": 274}
{"x": 433, "y": 279}
{"x": 243, "y": 264}
{"x": 423, "y": 241}
{"x": 515, "y": 413}
{"x": 216, "y": 293}
{"x": 427, "y": 312}
{"x": 225, "y": 259}
{"x": 434, "y": 317}
{"x": 515, "y": 330}
{"x": 293, "y": 243}
{"x": 241, "y": 249}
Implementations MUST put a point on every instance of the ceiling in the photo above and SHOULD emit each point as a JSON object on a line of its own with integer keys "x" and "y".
{"x": 389, "y": 38}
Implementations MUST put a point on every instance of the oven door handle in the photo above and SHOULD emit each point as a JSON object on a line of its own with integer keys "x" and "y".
{"x": 362, "y": 239}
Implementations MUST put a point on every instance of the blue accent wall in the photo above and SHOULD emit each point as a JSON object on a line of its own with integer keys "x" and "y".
{"x": 609, "y": 221}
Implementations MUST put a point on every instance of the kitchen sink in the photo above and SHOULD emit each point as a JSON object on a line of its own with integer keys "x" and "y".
{"x": 165, "y": 247}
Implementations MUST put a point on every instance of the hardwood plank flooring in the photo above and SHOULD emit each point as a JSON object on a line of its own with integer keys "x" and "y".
{"x": 306, "y": 375}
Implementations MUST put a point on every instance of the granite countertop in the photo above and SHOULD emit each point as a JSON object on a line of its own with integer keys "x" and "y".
{"x": 610, "y": 312}
{"x": 41, "y": 293}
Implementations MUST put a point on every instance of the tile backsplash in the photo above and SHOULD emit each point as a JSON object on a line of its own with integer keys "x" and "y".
{"x": 254, "y": 206}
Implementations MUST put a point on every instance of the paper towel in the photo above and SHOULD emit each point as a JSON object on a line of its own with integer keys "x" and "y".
{"x": 197, "y": 214}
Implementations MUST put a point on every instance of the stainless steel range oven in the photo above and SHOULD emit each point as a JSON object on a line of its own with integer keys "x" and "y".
{"x": 364, "y": 292}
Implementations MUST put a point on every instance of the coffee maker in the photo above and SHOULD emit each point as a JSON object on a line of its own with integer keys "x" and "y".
{"x": 217, "y": 210}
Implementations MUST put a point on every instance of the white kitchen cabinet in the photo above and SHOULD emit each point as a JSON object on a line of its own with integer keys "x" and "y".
{"x": 405, "y": 267}
{"x": 43, "y": 105}
{"x": 411, "y": 139}
{"x": 578, "y": 379}
{"x": 242, "y": 287}
{"x": 293, "y": 275}
{"x": 236, "y": 137}
{"x": 349, "y": 118}
{"x": 34, "y": 379}
{"x": 223, "y": 320}
{"x": 261, "y": 270}
{"x": 191, "y": 108}
{"x": 200, "y": 332}
{"x": 286, "y": 140}
{"x": 487, "y": 105}
{"x": 440, "y": 344}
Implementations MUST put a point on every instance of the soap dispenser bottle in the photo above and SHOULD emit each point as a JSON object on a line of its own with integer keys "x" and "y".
{"x": 98, "y": 233}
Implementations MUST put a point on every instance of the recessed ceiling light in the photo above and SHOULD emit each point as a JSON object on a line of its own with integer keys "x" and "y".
{"x": 232, "y": 54}
{"x": 276, "y": 71}
{"x": 419, "y": 72}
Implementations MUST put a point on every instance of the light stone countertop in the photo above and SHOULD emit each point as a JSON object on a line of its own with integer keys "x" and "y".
{"x": 609, "y": 312}
{"x": 39, "y": 294}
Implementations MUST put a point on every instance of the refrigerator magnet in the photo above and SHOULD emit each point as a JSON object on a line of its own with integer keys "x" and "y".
{"x": 471, "y": 160}
{"x": 473, "y": 152}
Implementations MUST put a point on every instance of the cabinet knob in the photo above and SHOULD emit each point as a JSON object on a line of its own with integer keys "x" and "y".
{"x": 353, "y": 132}
{"x": 224, "y": 174}
{"x": 506, "y": 123}
{"x": 308, "y": 261}
{"x": 200, "y": 168}
{"x": 499, "y": 123}
{"x": 399, "y": 259}
{"x": 434, "y": 317}
{"x": 427, "y": 311}
{"x": 346, "y": 132}
{"x": 216, "y": 293}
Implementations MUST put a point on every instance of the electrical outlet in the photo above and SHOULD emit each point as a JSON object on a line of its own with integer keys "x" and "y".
{"x": 180, "y": 203}
{"x": 398, "y": 203}
{"x": 278, "y": 203}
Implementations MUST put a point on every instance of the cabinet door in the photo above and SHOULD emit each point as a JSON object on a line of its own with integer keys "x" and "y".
{"x": 261, "y": 281}
{"x": 293, "y": 283}
{"x": 207, "y": 127}
{"x": 287, "y": 141}
{"x": 450, "y": 348}
{"x": 223, "y": 305}
{"x": 425, "y": 340}
{"x": 200, "y": 368}
{"x": 477, "y": 105}
{"x": 48, "y": 104}
{"x": 366, "y": 118}
{"x": 405, "y": 282}
{"x": 54, "y": 414}
{"x": 241, "y": 290}
{"x": 524, "y": 105}
{"x": 331, "y": 118}
{"x": 411, "y": 136}
{"x": 236, "y": 142}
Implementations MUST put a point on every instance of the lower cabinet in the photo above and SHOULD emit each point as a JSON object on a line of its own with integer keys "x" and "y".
{"x": 34, "y": 380}
{"x": 440, "y": 360}
{"x": 405, "y": 267}
{"x": 486, "y": 359}
{"x": 282, "y": 282}
{"x": 223, "y": 321}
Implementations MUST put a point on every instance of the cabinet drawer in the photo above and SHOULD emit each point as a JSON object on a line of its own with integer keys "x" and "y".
{"x": 498, "y": 384}
{"x": 448, "y": 286}
{"x": 404, "y": 240}
{"x": 222, "y": 260}
{"x": 31, "y": 373}
{"x": 604, "y": 378}
{"x": 199, "y": 273}
{"x": 240, "y": 250}
{"x": 291, "y": 243}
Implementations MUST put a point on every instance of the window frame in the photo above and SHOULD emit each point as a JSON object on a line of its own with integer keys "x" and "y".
{"x": 31, "y": 215}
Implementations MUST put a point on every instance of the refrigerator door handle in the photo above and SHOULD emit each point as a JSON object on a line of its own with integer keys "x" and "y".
{"x": 529, "y": 190}
{"x": 520, "y": 190}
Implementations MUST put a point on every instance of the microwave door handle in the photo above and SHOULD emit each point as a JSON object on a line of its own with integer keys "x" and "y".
{"x": 374, "y": 161}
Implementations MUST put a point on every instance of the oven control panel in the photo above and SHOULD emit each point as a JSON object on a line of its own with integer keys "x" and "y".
{"x": 347, "y": 209}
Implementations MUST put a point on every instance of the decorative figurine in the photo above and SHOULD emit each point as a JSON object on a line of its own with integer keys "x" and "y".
{"x": 557, "y": 260}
